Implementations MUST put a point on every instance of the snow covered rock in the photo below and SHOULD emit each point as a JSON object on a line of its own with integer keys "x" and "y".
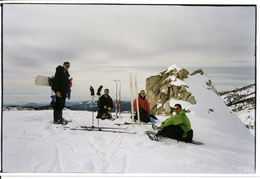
{"x": 173, "y": 83}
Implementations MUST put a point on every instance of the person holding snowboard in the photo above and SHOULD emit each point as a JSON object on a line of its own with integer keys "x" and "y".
{"x": 177, "y": 126}
{"x": 105, "y": 104}
{"x": 61, "y": 86}
{"x": 144, "y": 108}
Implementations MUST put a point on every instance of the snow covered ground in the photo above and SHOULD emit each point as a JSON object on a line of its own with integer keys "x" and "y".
{"x": 33, "y": 144}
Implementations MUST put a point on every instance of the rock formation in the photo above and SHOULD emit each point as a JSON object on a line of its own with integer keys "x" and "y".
{"x": 168, "y": 85}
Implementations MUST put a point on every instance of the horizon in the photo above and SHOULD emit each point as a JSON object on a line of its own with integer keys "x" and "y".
{"x": 24, "y": 103}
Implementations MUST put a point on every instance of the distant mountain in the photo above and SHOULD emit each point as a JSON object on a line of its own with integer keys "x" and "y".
{"x": 242, "y": 101}
{"x": 87, "y": 105}
{"x": 76, "y": 105}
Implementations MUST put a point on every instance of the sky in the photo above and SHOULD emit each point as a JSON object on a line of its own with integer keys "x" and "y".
{"x": 104, "y": 43}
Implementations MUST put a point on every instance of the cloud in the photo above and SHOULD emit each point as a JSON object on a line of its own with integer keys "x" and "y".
{"x": 104, "y": 43}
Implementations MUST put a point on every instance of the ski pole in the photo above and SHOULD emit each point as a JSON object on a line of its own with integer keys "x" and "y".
{"x": 116, "y": 99}
{"x": 119, "y": 98}
{"x": 92, "y": 93}
{"x": 131, "y": 95}
{"x": 99, "y": 94}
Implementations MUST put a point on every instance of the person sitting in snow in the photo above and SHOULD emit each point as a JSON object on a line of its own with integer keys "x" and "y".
{"x": 105, "y": 104}
{"x": 144, "y": 109}
{"x": 177, "y": 126}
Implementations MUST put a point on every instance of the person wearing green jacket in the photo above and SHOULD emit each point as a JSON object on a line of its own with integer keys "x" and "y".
{"x": 177, "y": 126}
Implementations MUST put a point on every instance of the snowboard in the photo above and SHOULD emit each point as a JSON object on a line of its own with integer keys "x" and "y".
{"x": 151, "y": 134}
{"x": 42, "y": 80}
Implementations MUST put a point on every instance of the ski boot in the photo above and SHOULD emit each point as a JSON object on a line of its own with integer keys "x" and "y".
{"x": 62, "y": 121}
{"x": 155, "y": 128}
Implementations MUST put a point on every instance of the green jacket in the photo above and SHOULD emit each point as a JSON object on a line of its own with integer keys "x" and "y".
{"x": 179, "y": 119}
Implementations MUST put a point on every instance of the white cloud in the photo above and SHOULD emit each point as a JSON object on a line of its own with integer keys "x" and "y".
{"x": 104, "y": 43}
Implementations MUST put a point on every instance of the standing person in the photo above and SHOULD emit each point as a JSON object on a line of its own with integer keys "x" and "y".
{"x": 144, "y": 108}
{"x": 105, "y": 104}
{"x": 61, "y": 87}
{"x": 177, "y": 126}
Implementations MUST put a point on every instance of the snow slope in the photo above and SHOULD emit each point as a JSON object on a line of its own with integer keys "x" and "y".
{"x": 33, "y": 144}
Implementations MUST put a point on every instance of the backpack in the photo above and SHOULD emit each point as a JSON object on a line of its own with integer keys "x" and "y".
{"x": 51, "y": 82}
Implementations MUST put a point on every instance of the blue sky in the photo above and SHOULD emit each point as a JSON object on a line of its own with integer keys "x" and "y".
{"x": 104, "y": 43}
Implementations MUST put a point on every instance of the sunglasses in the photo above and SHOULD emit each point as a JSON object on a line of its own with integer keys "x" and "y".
{"x": 175, "y": 109}
{"x": 67, "y": 66}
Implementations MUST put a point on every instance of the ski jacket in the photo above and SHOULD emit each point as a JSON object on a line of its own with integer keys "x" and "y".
{"x": 179, "y": 119}
{"x": 143, "y": 104}
{"x": 105, "y": 101}
{"x": 61, "y": 81}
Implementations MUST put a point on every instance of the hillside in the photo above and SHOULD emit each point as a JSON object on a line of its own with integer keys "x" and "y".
{"x": 242, "y": 101}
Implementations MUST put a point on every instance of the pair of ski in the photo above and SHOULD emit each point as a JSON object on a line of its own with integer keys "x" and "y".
{"x": 117, "y": 98}
{"x": 104, "y": 129}
{"x": 133, "y": 80}
{"x": 152, "y": 136}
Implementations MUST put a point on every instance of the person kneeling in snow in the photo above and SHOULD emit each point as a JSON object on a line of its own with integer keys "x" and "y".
{"x": 105, "y": 105}
{"x": 177, "y": 126}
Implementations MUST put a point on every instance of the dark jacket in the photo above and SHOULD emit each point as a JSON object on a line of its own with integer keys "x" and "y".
{"x": 105, "y": 101}
{"x": 61, "y": 81}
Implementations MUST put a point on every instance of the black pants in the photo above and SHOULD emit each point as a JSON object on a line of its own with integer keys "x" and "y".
{"x": 58, "y": 106}
{"x": 144, "y": 116}
{"x": 103, "y": 114}
{"x": 176, "y": 132}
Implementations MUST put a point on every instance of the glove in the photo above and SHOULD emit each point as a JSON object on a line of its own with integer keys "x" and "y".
{"x": 99, "y": 90}
{"x": 92, "y": 91}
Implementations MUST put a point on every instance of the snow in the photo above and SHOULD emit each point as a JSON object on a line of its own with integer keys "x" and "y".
{"x": 174, "y": 66}
{"x": 33, "y": 144}
{"x": 176, "y": 81}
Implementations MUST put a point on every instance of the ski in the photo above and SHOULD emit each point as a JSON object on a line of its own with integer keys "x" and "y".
{"x": 117, "y": 98}
{"x": 137, "y": 103}
{"x": 132, "y": 97}
{"x": 129, "y": 123}
{"x": 103, "y": 130}
{"x": 95, "y": 127}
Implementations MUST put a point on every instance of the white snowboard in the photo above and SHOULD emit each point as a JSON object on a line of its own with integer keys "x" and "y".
{"x": 42, "y": 80}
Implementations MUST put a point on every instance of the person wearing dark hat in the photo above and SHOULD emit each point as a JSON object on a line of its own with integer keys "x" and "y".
{"x": 61, "y": 86}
